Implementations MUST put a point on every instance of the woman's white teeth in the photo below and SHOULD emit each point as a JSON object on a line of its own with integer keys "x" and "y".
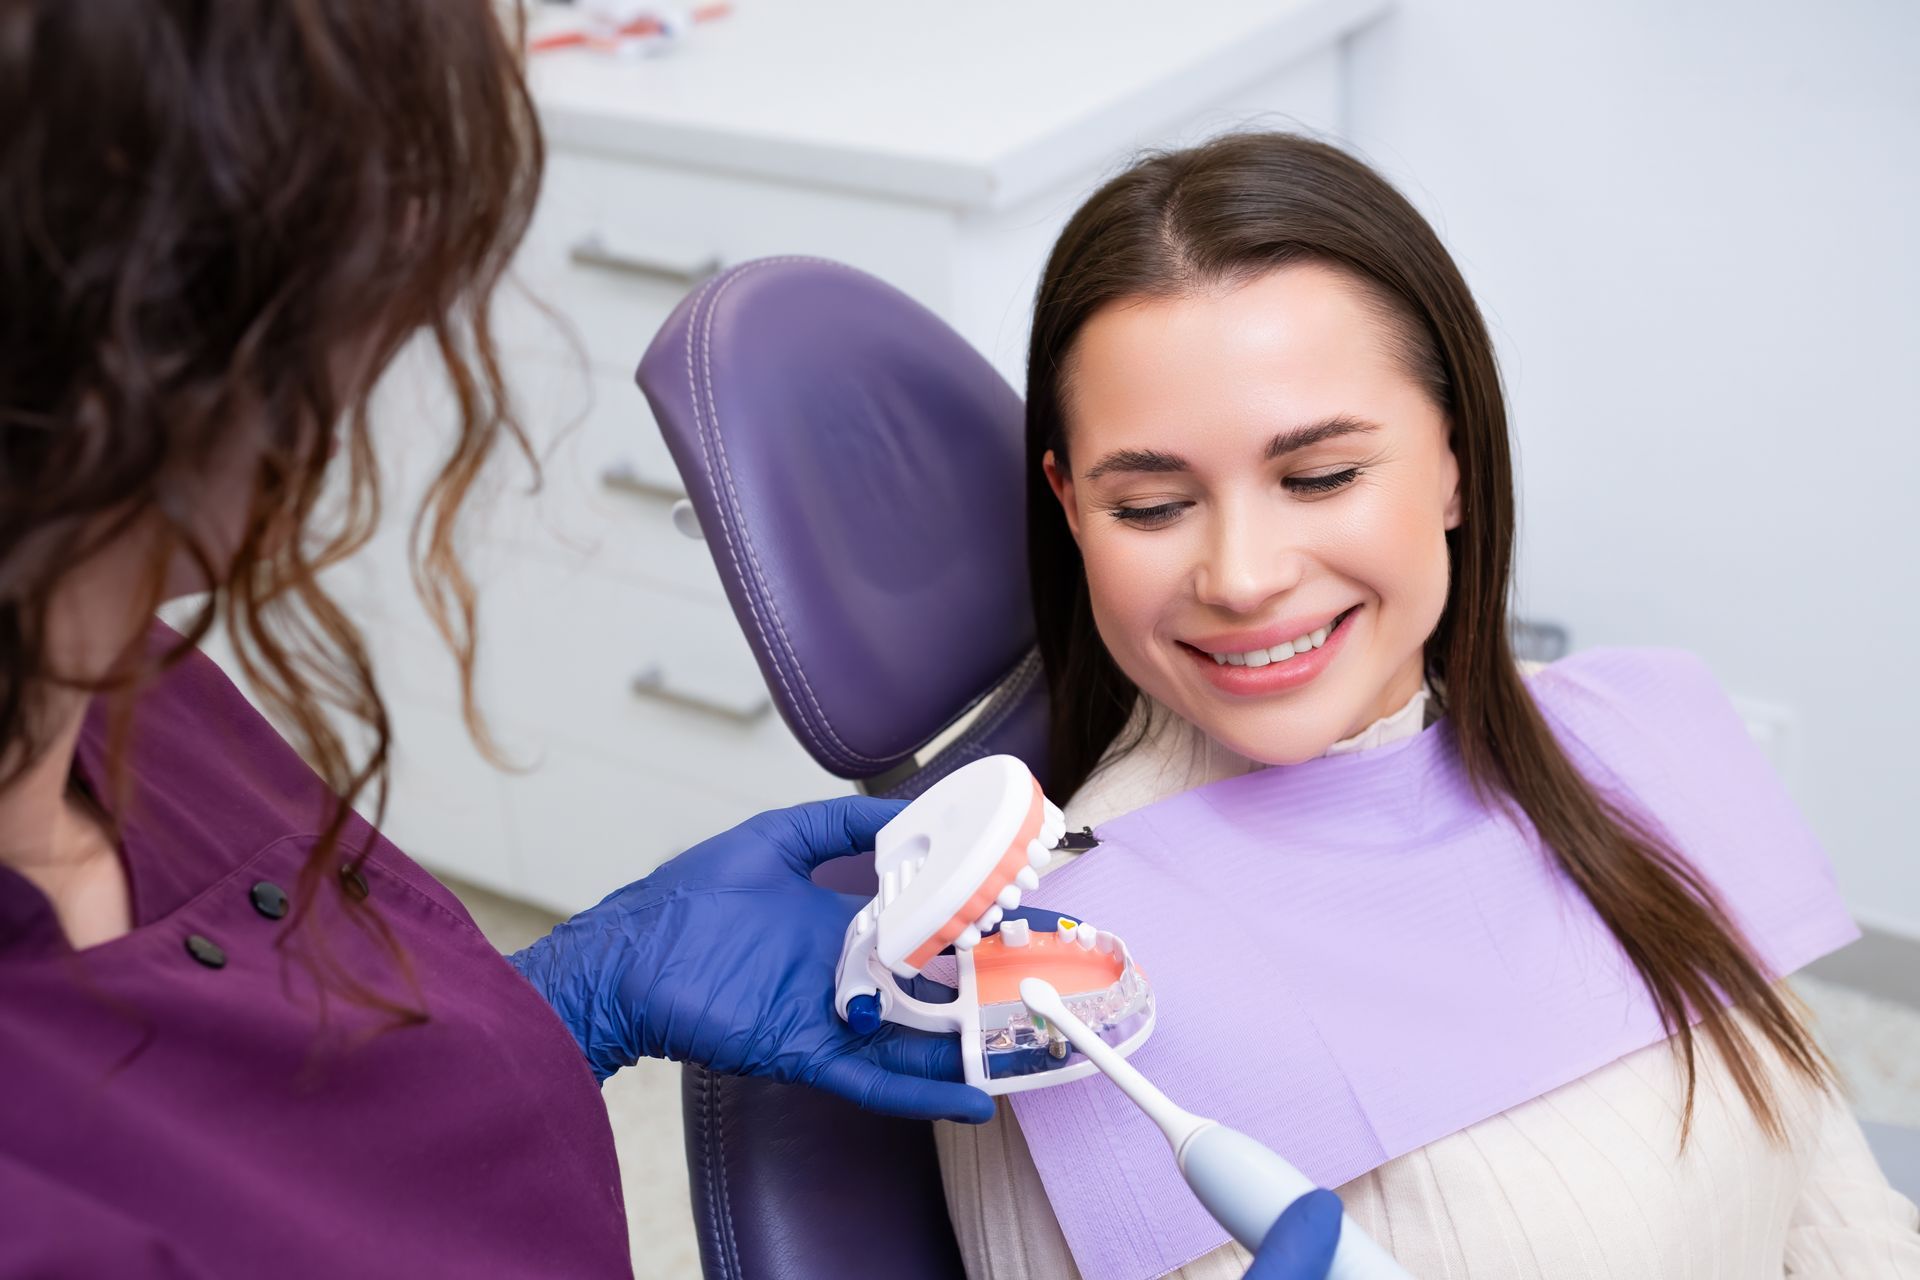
{"x": 1279, "y": 652}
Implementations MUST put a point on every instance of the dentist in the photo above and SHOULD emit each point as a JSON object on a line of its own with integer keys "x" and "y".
{"x": 241, "y": 1034}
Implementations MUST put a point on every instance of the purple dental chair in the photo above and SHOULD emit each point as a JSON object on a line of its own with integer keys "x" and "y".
{"x": 856, "y": 471}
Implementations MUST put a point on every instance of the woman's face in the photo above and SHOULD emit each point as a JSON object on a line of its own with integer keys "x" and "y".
{"x": 1249, "y": 465}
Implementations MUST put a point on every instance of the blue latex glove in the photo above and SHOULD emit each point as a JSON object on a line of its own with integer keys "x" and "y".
{"x": 725, "y": 957}
{"x": 1300, "y": 1244}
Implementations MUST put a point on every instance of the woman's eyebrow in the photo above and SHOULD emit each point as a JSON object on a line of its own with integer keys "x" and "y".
{"x": 1136, "y": 460}
{"x": 1292, "y": 440}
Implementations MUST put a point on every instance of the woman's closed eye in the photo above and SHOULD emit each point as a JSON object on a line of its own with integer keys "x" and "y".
{"x": 1148, "y": 517}
{"x": 1322, "y": 484}
{"x": 1163, "y": 513}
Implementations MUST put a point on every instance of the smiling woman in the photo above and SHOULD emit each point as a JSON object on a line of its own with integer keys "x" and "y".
{"x": 1311, "y": 492}
{"x": 1270, "y": 519}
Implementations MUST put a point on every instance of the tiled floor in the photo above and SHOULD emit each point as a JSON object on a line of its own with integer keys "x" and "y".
{"x": 1875, "y": 1043}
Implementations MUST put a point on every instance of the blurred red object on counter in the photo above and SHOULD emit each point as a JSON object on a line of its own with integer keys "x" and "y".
{"x": 611, "y": 36}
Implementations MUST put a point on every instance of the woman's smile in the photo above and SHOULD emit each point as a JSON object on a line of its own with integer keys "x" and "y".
{"x": 1252, "y": 664}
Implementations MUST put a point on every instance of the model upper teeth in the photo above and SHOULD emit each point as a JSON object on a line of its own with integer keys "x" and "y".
{"x": 1279, "y": 653}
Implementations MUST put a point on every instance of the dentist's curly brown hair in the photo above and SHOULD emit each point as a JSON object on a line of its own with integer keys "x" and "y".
{"x": 219, "y": 224}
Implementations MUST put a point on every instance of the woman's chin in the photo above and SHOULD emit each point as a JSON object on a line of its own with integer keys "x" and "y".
{"x": 1264, "y": 743}
{"x": 1293, "y": 755}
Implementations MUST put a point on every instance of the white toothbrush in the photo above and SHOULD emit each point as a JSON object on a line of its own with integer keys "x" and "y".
{"x": 1243, "y": 1184}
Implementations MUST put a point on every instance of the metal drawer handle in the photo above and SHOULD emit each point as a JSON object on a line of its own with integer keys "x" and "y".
{"x": 622, "y": 478}
{"x": 592, "y": 250}
{"x": 652, "y": 683}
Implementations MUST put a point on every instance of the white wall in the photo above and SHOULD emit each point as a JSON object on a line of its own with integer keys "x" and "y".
{"x": 1692, "y": 227}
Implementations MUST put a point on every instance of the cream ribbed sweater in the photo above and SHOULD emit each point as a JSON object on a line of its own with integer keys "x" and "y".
{"x": 1578, "y": 1184}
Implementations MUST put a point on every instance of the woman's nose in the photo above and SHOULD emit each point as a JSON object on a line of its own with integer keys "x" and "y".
{"x": 1246, "y": 562}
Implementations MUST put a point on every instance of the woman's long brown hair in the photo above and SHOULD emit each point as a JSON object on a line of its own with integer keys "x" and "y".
{"x": 219, "y": 224}
{"x": 1247, "y": 204}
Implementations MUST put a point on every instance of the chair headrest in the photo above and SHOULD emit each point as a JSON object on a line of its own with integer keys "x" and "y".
{"x": 856, "y": 469}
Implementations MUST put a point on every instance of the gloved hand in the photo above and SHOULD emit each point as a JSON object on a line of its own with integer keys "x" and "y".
{"x": 725, "y": 956}
{"x": 1300, "y": 1244}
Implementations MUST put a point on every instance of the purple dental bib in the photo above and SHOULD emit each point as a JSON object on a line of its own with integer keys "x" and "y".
{"x": 1353, "y": 957}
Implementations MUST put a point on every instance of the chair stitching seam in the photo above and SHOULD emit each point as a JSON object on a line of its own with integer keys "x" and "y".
{"x": 712, "y": 1147}
{"x": 698, "y": 335}
{"x": 759, "y": 587}
{"x": 720, "y": 1128}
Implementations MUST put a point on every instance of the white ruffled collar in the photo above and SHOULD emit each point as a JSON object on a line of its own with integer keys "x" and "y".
{"x": 1172, "y": 756}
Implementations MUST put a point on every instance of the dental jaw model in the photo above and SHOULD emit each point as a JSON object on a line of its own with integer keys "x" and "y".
{"x": 951, "y": 866}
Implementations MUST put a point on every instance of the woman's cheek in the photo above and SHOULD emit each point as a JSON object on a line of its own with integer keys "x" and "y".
{"x": 1400, "y": 546}
{"x": 1133, "y": 577}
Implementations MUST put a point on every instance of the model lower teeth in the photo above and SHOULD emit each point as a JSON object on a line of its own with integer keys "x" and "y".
{"x": 1279, "y": 652}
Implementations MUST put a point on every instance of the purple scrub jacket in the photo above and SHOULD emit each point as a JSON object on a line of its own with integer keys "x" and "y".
{"x": 181, "y": 1101}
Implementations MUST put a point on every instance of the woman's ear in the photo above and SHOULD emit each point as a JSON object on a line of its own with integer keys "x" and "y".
{"x": 1061, "y": 482}
{"x": 1450, "y": 482}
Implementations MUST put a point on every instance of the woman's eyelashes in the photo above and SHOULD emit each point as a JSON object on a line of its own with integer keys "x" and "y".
{"x": 1163, "y": 513}
{"x": 1148, "y": 517}
{"x": 1322, "y": 484}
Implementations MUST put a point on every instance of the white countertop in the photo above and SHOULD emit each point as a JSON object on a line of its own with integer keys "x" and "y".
{"x": 976, "y": 105}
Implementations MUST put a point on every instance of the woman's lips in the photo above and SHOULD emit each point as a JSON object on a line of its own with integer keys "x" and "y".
{"x": 1275, "y": 677}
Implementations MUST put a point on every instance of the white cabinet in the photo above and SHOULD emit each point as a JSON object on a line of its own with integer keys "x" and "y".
{"x": 939, "y": 151}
